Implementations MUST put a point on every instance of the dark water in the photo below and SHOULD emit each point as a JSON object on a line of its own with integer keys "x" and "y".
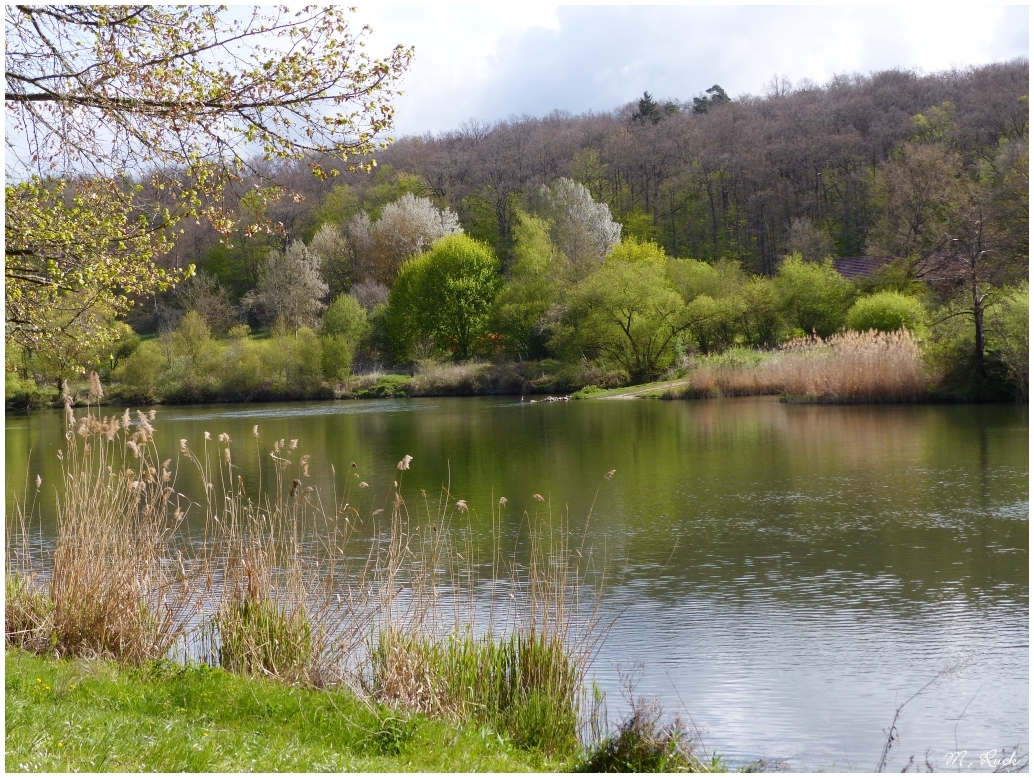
{"x": 787, "y": 575}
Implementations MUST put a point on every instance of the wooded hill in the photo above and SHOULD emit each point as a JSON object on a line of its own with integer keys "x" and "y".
{"x": 749, "y": 179}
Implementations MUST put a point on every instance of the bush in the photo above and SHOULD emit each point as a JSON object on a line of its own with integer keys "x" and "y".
{"x": 338, "y": 353}
{"x": 346, "y": 317}
{"x": 304, "y": 372}
{"x": 1009, "y": 336}
{"x": 887, "y": 312}
{"x": 813, "y": 297}
{"x": 694, "y": 278}
{"x": 24, "y": 393}
{"x": 636, "y": 251}
{"x": 761, "y": 323}
{"x": 139, "y": 373}
{"x": 715, "y": 322}
{"x": 241, "y": 372}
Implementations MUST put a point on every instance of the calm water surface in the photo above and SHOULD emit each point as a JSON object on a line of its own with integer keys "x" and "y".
{"x": 787, "y": 575}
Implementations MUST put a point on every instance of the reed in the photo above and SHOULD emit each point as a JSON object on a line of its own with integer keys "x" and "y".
{"x": 111, "y": 586}
{"x": 282, "y": 599}
{"x": 852, "y": 367}
{"x": 515, "y": 656}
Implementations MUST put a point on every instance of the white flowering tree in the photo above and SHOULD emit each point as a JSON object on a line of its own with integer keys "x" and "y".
{"x": 580, "y": 227}
{"x": 290, "y": 289}
{"x": 406, "y": 228}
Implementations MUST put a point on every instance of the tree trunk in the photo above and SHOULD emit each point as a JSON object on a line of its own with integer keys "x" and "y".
{"x": 978, "y": 325}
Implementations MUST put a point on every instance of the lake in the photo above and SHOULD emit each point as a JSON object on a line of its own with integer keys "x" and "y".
{"x": 787, "y": 575}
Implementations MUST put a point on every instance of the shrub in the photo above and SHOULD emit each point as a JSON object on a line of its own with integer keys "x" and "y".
{"x": 636, "y": 251}
{"x": 814, "y": 297}
{"x": 715, "y": 322}
{"x": 338, "y": 354}
{"x": 346, "y": 317}
{"x": 1009, "y": 335}
{"x": 139, "y": 373}
{"x": 241, "y": 374}
{"x": 293, "y": 363}
{"x": 887, "y": 312}
{"x": 761, "y": 322}
{"x": 24, "y": 393}
{"x": 694, "y": 278}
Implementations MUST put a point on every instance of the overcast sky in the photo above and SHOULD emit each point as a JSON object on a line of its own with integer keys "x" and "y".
{"x": 491, "y": 62}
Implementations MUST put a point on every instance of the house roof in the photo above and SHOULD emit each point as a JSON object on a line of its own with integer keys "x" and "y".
{"x": 859, "y": 267}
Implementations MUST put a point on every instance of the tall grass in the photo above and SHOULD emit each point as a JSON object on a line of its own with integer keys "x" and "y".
{"x": 847, "y": 368}
{"x": 275, "y": 582}
{"x": 855, "y": 367}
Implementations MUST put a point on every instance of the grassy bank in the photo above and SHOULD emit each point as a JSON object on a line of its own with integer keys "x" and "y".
{"x": 88, "y": 715}
{"x": 851, "y": 367}
{"x": 427, "y": 379}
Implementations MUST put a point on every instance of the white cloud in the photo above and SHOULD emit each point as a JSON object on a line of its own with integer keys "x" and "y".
{"x": 491, "y": 62}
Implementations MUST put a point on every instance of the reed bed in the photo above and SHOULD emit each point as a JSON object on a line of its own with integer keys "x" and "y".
{"x": 278, "y": 583}
{"x": 111, "y": 586}
{"x": 852, "y": 367}
{"x": 855, "y": 367}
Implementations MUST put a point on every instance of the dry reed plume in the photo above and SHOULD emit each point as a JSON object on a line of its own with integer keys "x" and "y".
{"x": 111, "y": 585}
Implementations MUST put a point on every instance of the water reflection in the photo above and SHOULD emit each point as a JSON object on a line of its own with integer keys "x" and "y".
{"x": 790, "y": 573}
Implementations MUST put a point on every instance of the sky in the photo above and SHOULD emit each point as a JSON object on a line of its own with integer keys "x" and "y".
{"x": 492, "y": 62}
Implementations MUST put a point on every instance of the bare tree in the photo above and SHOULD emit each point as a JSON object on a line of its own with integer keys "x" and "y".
{"x": 369, "y": 294}
{"x": 205, "y": 295}
{"x": 812, "y": 243}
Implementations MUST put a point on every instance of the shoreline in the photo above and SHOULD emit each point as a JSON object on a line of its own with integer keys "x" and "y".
{"x": 395, "y": 388}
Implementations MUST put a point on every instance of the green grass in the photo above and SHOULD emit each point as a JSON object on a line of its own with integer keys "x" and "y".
{"x": 525, "y": 685}
{"x": 70, "y": 715}
{"x": 651, "y": 389}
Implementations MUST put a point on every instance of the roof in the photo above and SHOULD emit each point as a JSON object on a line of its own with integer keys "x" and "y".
{"x": 859, "y": 267}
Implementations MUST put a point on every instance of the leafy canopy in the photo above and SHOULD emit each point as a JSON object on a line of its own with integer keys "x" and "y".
{"x": 628, "y": 312}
